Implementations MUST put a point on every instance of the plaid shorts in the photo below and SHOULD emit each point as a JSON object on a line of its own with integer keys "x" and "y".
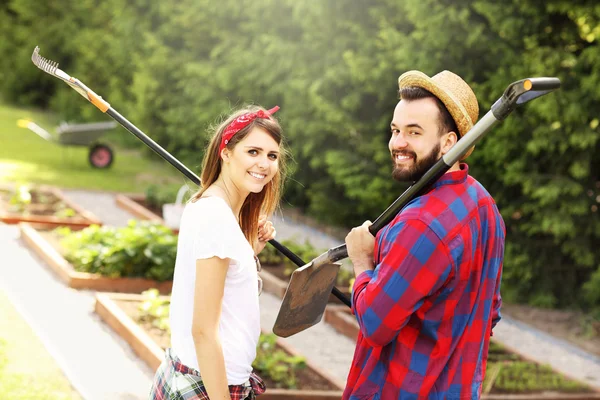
{"x": 175, "y": 381}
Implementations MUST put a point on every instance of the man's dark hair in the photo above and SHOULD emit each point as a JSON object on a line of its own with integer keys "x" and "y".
{"x": 446, "y": 123}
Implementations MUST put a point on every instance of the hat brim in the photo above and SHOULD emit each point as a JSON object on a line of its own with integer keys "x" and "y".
{"x": 453, "y": 105}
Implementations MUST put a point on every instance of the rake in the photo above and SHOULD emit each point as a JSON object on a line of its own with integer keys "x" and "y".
{"x": 51, "y": 67}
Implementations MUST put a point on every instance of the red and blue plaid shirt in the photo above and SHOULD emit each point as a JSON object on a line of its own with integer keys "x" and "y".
{"x": 427, "y": 311}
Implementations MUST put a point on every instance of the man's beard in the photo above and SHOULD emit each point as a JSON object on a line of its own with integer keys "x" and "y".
{"x": 419, "y": 167}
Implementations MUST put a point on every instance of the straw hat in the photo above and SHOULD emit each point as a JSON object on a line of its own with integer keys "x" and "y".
{"x": 453, "y": 91}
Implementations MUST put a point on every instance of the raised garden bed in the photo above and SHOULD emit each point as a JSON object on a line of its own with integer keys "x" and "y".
{"x": 137, "y": 205}
{"x": 508, "y": 376}
{"x": 46, "y": 244}
{"x": 42, "y": 205}
{"x": 122, "y": 313}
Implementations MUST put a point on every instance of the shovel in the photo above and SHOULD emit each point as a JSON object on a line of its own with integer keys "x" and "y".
{"x": 308, "y": 290}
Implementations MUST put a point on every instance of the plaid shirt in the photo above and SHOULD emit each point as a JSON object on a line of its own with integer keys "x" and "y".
{"x": 427, "y": 310}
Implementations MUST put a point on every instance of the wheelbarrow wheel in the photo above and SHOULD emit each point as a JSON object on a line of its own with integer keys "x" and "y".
{"x": 100, "y": 156}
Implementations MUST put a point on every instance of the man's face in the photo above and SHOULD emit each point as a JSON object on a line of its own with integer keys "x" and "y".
{"x": 415, "y": 142}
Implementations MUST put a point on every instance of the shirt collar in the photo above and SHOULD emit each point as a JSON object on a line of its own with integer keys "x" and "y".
{"x": 453, "y": 177}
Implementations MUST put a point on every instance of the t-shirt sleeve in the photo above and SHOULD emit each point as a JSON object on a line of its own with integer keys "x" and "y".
{"x": 217, "y": 233}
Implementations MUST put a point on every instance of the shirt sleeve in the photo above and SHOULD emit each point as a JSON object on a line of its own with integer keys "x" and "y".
{"x": 415, "y": 265}
{"x": 217, "y": 233}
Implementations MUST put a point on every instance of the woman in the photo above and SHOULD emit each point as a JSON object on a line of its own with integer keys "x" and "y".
{"x": 215, "y": 320}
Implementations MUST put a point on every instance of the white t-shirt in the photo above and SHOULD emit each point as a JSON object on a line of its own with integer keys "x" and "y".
{"x": 209, "y": 228}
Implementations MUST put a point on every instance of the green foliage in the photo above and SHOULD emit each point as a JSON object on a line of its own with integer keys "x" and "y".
{"x": 141, "y": 249}
{"x": 155, "y": 309}
{"x": 270, "y": 255}
{"x": 345, "y": 278}
{"x": 65, "y": 213}
{"x": 275, "y": 364}
{"x": 591, "y": 294}
{"x": 507, "y": 373}
{"x": 21, "y": 198}
{"x": 306, "y": 251}
{"x": 524, "y": 376}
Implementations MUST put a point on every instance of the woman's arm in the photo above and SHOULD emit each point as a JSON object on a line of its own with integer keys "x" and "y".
{"x": 208, "y": 296}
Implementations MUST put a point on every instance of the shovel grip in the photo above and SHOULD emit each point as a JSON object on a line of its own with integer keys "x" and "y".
{"x": 542, "y": 83}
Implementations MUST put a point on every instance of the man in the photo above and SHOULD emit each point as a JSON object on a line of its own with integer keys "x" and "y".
{"x": 427, "y": 288}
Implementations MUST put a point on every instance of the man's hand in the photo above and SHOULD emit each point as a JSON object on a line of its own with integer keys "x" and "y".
{"x": 360, "y": 244}
{"x": 266, "y": 232}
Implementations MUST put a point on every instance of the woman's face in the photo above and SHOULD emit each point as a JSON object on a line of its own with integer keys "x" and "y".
{"x": 254, "y": 161}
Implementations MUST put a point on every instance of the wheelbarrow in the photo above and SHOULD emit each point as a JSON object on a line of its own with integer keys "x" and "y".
{"x": 100, "y": 155}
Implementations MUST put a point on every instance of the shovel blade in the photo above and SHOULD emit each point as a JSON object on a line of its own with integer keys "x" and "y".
{"x": 306, "y": 297}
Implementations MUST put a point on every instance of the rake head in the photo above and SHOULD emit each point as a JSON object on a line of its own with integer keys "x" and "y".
{"x": 42, "y": 63}
{"x": 51, "y": 67}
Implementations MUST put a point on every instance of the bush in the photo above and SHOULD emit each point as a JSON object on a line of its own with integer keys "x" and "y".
{"x": 141, "y": 249}
{"x": 275, "y": 363}
{"x": 271, "y": 256}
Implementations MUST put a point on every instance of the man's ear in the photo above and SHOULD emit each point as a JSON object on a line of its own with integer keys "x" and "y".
{"x": 447, "y": 141}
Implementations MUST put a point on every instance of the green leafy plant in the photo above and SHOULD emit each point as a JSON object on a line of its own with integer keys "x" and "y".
{"x": 141, "y": 249}
{"x": 155, "y": 309}
{"x": 65, "y": 212}
{"x": 345, "y": 278}
{"x": 271, "y": 256}
{"x": 21, "y": 198}
{"x": 305, "y": 251}
{"x": 276, "y": 364}
{"x": 506, "y": 372}
{"x": 524, "y": 376}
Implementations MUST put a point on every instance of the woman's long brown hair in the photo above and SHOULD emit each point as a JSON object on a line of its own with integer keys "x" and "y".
{"x": 256, "y": 204}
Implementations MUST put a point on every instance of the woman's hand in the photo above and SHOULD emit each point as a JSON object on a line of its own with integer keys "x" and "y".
{"x": 266, "y": 232}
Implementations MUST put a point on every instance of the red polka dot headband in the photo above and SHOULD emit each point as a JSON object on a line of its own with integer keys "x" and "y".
{"x": 241, "y": 122}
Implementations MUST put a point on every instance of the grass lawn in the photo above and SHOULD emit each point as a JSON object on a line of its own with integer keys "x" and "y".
{"x": 26, "y": 157}
{"x": 27, "y": 371}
